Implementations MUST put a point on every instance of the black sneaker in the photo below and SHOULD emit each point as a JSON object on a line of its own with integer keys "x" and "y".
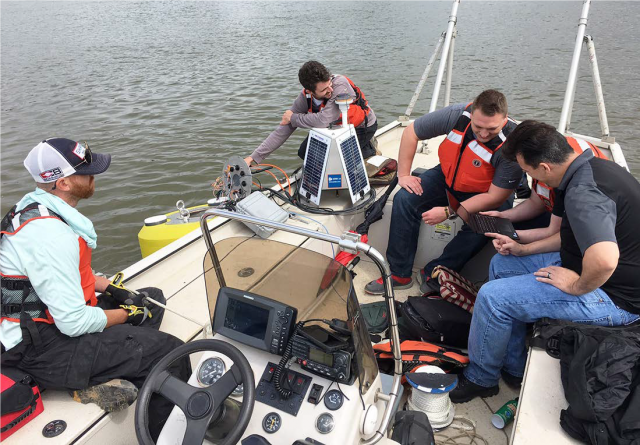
{"x": 376, "y": 287}
{"x": 511, "y": 380}
{"x": 114, "y": 395}
{"x": 428, "y": 285}
{"x": 467, "y": 390}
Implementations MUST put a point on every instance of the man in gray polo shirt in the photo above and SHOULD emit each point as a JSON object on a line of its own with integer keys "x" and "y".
{"x": 589, "y": 272}
{"x": 471, "y": 167}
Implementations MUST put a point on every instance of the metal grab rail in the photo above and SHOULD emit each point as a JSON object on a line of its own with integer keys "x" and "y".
{"x": 567, "y": 105}
{"x": 349, "y": 244}
{"x": 597, "y": 86}
{"x": 453, "y": 18}
{"x": 423, "y": 79}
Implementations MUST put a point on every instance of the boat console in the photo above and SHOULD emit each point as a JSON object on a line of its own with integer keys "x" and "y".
{"x": 290, "y": 360}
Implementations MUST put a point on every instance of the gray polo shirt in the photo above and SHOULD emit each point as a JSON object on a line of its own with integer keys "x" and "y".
{"x": 600, "y": 201}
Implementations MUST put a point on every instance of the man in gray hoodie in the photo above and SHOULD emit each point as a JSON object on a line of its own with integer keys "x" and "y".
{"x": 315, "y": 107}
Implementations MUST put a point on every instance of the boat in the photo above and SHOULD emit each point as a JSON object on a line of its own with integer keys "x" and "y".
{"x": 295, "y": 267}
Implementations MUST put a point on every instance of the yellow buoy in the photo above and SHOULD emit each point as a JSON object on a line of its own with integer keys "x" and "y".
{"x": 159, "y": 231}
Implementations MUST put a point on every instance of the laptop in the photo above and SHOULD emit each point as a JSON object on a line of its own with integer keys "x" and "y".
{"x": 482, "y": 223}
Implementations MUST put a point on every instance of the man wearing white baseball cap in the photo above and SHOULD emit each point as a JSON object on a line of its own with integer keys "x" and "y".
{"x": 53, "y": 326}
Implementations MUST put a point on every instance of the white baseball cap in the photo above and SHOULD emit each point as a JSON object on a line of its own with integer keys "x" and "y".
{"x": 57, "y": 158}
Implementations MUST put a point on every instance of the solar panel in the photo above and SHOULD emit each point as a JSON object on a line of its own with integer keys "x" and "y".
{"x": 315, "y": 162}
{"x": 354, "y": 167}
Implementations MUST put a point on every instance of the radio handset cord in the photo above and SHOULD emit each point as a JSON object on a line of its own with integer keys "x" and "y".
{"x": 277, "y": 374}
{"x": 336, "y": 324}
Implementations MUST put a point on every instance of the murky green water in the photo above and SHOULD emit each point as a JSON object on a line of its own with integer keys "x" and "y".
{"x": 171, "y": 89}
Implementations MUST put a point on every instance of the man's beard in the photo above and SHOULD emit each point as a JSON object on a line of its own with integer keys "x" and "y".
{"x": 83, "y": 191}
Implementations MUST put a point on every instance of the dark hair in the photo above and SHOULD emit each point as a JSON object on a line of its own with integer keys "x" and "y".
{"x": 536, "y": 142}
{"x": 491, "y": 102}
{"x": 311, "y": 73}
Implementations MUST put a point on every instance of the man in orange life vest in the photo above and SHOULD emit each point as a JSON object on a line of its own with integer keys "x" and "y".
{"x": 537, "y": 218}
{"x": 315, "y": 107}
{"x": 53, "y": 327}
{"x": 471, "y": 168}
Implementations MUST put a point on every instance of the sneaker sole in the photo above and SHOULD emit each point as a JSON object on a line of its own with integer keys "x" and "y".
{"x": 112, "y": 396}
{"x": 396, "y": 287}
{"x": 489, "y": 392}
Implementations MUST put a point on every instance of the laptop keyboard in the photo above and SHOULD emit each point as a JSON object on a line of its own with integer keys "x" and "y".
{"x": 486, "y": 224}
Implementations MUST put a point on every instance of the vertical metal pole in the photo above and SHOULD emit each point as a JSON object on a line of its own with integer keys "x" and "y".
{"x": 447, "y": 88}
{"x": 445, "y": 51}
{"x": 597, "y": 85}
{"x": 423, "y": 79}
{"x": 573, "y": 72}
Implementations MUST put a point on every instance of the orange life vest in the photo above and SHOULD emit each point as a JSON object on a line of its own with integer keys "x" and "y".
{"x": 546, "y": 193}
{"x": 17, "y": 292}
{"x": 468, "y": 169}
{"x": 358, "y": 110}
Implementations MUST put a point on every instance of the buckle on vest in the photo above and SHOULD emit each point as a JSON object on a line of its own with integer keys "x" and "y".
{"x": 11, "y": 308}
{"x": 14, "y": 284}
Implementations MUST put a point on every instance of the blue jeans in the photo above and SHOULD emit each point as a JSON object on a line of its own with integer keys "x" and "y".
{"x": 511, "y": 299}
{"x": 406, "y": 218}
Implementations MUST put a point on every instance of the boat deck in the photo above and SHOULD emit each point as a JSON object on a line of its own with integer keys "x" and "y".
{"x": 540, "y": 400}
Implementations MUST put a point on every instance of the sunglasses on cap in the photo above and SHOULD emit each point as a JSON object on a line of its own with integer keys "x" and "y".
{"x": 87, "y": 155}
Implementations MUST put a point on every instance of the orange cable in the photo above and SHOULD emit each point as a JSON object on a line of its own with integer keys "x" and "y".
{"x": 274, "y": 177}
{"x": 283, "y": 172}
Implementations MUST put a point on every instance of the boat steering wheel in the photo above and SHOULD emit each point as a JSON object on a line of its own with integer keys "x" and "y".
{"x": 198, "y": 404}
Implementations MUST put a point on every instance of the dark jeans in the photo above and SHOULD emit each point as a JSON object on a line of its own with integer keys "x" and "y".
{"x": 364, "y": 139}
{"x": 406, "y": 218}
{"x": 119, "y": 352}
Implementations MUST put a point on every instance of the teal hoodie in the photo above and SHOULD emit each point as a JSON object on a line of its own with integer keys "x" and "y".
{"x": 47, "y": 251}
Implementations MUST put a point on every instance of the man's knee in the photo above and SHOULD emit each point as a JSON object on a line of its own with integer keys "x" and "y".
{"x": 499, "y": 263}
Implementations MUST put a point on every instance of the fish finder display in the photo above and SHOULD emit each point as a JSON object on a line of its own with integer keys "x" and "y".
{"x": 246, "y": 319}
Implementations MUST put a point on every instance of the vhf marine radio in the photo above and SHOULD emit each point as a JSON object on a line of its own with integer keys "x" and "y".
{"x": 254, "y": 320}
{"x": 323, "y": 353}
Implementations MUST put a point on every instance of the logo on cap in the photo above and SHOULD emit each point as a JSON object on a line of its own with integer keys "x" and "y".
{"x": 79, "y": 151}
{"x": 51, "y": 175}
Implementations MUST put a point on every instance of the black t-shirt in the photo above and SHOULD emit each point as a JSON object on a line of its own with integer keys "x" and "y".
{"x": 600, "y": 201}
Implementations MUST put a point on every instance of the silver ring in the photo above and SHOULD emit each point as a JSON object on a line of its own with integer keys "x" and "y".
{"x": 548, "y": 275}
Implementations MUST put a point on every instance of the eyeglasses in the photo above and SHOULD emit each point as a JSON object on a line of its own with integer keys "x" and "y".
{"x": 87, "y": 155}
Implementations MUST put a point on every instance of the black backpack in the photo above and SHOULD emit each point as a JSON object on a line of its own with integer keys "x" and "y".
{"x": 412, "y": 428}
{"x": 435, "y": 321}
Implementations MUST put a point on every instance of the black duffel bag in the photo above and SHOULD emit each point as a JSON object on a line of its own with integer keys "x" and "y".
{"x": 434, "y": 321}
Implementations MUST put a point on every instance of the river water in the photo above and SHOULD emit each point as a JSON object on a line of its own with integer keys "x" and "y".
{"x": 171, "y": 89}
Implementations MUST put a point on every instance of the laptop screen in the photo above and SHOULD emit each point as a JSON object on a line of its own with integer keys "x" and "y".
{"x": 457, "y": 207}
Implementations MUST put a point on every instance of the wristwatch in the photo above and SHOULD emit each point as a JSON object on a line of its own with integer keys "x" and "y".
{"x": 448, "y": 211}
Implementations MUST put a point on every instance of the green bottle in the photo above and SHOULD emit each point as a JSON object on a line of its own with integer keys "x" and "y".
{"x": 505, "y": 414}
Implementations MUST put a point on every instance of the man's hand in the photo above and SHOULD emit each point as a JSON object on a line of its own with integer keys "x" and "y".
{"x": 249, "y": 160}
{"x": 434, "y": 216}
{"x": 492, "y": 213}
{"x": 506, "y": 246}
{"x": 411, "y": 183}
{"x": 560, "y": 277}
{"x": 119, "y": 294}
{"x": 136, "y": 315}
{"x": 286, "y": 117}
{"x": 137, "y": 310}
